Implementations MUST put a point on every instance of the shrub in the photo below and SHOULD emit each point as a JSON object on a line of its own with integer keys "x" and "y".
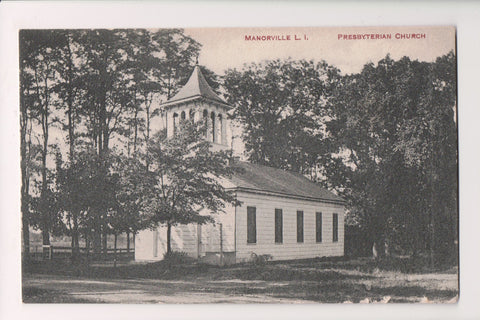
{"x": 260, "y": 259}
{"x": 177, "y": 257}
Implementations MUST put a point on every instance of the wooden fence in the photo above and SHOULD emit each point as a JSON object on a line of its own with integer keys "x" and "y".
{"x": 64, "y": 253}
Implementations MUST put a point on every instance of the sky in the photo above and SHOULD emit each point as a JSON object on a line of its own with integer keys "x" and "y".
{"x": 225, "y": 48}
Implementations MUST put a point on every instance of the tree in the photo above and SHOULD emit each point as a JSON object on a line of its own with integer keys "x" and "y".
{"x": 177, "y": 51}
{"x": 281, "y": 107}
{"x": 185, "y": 177}
{"x": 27, "y": 150}
{"x": 68, "y": 91}
{"x": 104, "y": 53}
{"x": 385, "y": 124}
{"x": 130, "y": 195}
{"x": 39, "y": 54}
{"x": 429, "y": 144}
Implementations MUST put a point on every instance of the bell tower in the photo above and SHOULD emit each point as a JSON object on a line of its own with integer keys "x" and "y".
{"x": 197, "y": 101}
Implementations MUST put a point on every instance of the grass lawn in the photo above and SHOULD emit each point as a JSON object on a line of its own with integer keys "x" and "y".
{"x": 316, "y": 280}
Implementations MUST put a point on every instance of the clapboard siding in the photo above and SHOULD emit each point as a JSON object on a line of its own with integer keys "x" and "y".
{"x": 144, "y": 246}
{"x": 289, "y": 248}
{"x": 234, "y": 230}
{"x": 185, "y": 238}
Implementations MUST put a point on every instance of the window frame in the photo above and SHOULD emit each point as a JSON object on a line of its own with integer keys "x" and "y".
{"x": 318, "y": 227}
{"x": 278, "y": 221}
{"x": 335, "y": 227}
{"x": 251, "y": 211}
{"x": 300, "y": 227}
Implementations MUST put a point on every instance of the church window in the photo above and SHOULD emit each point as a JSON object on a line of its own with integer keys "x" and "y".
{"x": 220, "y": 129}
{"x": 278, "y": 225}
{"x": 251, "y": 225}
{"x": 214, "y": 138}
{"x": 335, "y": 227}
{"x": 318, "y": 226}
{"x": 299, "y": 226}
{"x": 175, "y": 122}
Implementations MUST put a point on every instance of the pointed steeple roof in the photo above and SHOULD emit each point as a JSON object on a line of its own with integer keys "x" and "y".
{"x": 196, "y": 88}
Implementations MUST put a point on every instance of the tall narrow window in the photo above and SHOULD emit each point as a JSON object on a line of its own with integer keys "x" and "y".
{"x": 318, "y": 226}
{"x": 299, "y": 226}
{"x": 335, "y": 227}
{"x": 251, "y": 225}
{"x": 183, "y": 116}
{"x": 214, "y": 129}
{"x": 175, "y": 122}
{"x": 205, "y": 123}
{"x": 278, "y": 226}
{"x": 220, "y": 129}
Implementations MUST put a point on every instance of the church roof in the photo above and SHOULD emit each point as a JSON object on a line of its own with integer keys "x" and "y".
{"x": 196, "y": 87}
{"x": 268, "y": 180}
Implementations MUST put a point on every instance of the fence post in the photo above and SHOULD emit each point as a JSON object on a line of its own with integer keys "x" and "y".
{"x": 221, "y": 244}
{"x": 47, "y": 252}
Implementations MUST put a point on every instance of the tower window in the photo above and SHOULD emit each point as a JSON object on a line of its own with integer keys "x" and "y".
{"x": 214, "y": 138}
{"x": 220, "y": 130}
{"x": 182, "y": 116}
{"x": 205, "y": 122}
{"x": 175, "y": 122}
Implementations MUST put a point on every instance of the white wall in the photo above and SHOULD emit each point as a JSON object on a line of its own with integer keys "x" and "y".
{"x": 289, "y": 249}
{"x": 185, "y": 238}
{"x": 234, "y": 223}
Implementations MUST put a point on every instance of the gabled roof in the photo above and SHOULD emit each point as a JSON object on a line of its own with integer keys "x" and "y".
{"x": 196, "y": 87}
{"x": 263, "y": 179}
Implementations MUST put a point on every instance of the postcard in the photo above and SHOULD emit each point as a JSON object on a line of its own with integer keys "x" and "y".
{"x": 239, "y": 165}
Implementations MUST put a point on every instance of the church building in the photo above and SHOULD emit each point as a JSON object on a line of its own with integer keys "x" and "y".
{"x": 282, "y": 214}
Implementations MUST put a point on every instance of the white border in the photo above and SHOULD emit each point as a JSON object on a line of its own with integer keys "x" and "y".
{"x": 16, "y": 15}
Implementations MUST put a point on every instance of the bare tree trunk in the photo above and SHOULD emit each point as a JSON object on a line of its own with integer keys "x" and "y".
{"x": 128, "y": 241}
{"x": 75, "y": 241}
{"x": 378, "y": 249}
{"x": 147, "y": 129}
{"x": 25, "y": 186}
{"x": 45, "y": 127}
{"x": 432, "y": 237}
{"x": 46, "y": 244}
{"x": 43, "y": 195}
{"x": 115, "y": 251}
{"x": 97, "y": 237}
{"x": 26, "y": 238}
{"x": 169, "y": 235}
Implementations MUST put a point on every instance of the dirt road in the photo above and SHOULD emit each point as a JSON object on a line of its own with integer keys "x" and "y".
{"x": 151, "y": 291}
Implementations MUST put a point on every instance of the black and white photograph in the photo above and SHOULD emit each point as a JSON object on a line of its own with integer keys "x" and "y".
{"x": 239, "y": 165}
{"x": 241, "y": 160}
